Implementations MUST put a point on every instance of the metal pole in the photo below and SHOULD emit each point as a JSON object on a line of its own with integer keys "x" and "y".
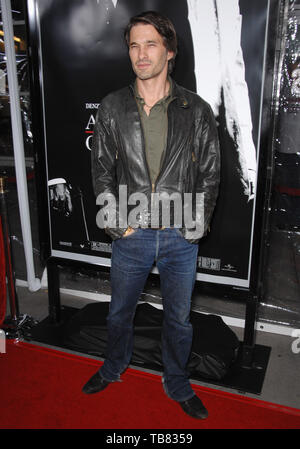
{"x": 34, "y": 284}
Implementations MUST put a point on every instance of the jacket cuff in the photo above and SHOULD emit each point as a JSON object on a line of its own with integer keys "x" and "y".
{"x": 115, "y": 233}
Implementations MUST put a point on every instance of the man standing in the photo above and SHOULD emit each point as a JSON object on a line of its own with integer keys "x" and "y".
{"x": 154, "y": 138}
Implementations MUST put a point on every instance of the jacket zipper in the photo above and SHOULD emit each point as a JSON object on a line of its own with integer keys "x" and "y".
{"x": 165, "y": 150}
{"x": 144, "y": 152}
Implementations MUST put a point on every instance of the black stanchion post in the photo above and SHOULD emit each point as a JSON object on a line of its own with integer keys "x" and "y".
{"x": 249, "y": 331}
{"x": 13, "y": 300}
{"x": 53, "y": 290}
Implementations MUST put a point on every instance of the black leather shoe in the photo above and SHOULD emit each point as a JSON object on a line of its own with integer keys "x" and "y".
{"x": 194, "y": 408}
{"x": 95, "y": 384}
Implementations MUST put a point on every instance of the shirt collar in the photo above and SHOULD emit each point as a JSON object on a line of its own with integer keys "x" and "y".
{"x": 164, "y": 101}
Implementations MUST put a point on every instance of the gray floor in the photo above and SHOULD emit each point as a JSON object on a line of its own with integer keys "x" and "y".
{"x": 281, "y": 384}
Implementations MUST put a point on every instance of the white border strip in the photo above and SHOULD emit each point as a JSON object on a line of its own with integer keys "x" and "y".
{"x": 263, "y": 80}
{"x": 222, "y": 280}
{"x": 41, "y": 81}
{"x": 96, "y": 260}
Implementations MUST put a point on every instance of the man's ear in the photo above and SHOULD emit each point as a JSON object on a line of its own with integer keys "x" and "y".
{"x": 170, "y": 55}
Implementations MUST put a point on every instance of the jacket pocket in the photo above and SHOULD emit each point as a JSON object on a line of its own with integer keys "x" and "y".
{"x": 190, "y": 172}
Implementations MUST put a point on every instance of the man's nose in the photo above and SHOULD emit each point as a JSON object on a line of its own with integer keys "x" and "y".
{"x": 142, "y": 52}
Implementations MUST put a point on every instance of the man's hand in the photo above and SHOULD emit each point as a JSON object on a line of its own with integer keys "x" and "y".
{"x": 128, "y": 231}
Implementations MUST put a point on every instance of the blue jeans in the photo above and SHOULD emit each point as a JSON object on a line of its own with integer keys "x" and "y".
{"x": 132, "y": 260}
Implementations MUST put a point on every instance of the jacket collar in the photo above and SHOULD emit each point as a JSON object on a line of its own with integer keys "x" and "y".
{"x": 179, "y": 93}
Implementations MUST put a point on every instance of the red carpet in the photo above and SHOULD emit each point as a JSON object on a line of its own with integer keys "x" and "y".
{"x": 41, "y": 389}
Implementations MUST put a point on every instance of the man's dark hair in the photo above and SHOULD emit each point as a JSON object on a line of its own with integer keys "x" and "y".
{"x": 163, "y": 26}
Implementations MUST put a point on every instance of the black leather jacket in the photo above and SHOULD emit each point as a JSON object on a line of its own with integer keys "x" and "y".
{"x": 190, "y": 163}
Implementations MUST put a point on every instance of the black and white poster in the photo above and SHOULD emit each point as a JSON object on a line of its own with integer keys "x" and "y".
{"x": 83, "y": 57}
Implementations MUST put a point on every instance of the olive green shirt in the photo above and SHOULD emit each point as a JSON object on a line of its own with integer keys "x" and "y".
{"x": 155, "y": 128}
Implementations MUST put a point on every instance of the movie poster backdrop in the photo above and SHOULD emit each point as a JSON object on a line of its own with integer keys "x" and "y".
{"x": 82, "y": 57}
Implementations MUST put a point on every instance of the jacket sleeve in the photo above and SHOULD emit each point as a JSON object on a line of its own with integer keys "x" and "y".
{"x": 208, "y": 179}
{"x": 208, "y": 175}
{"x": 103, "y": 165}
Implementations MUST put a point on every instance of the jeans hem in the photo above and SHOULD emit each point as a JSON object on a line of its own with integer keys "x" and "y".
{"x": 185, "y": 398}
{"x": 109, "y": 380}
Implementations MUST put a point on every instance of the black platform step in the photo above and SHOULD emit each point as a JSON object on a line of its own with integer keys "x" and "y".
{"x": 84, "y": 331}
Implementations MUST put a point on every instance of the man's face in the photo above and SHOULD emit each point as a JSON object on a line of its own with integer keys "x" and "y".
{"x": 148, "y": 54}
